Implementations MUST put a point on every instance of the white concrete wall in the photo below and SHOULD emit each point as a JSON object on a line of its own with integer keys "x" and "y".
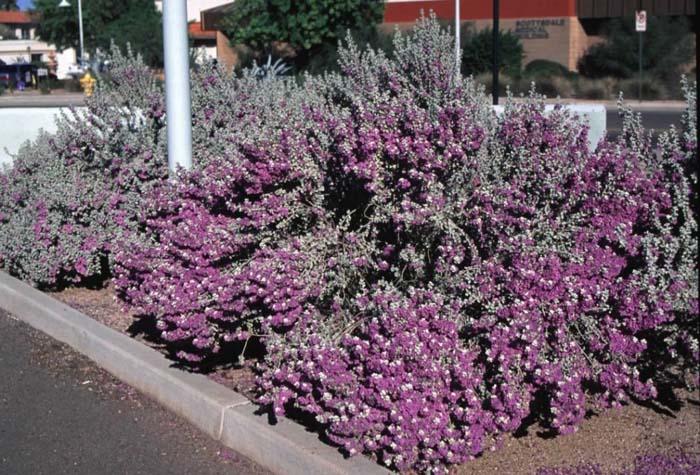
{"x": 591, "y": 115}
{"x": 204, "y": 53}
{"x": 21, "y": 124}
{"x": 64, "y": 60}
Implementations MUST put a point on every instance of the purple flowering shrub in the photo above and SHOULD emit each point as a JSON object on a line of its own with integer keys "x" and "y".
{"x": 422, "y": 274}
{"x": 66, "y": 195}
{"x": 671, "y": 246}
{"x": 35, "y": 241}
{"x": 183, "y": 261}
{"x": 70, "y": 196}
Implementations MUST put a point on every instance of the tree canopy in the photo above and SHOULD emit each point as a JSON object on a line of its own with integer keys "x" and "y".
{"x": 304, "y": 25}
{"x": 477, "y": 52}
{"x": 136, "y": 22}
{"x": 668, "y": 44}
{"x": 8, "y": 5}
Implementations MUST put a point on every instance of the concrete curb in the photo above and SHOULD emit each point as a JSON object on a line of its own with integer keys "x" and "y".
{"x": 285, "y": 448}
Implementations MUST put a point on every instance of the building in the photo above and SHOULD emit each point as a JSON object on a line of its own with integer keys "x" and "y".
{"x": 211, "y": 20}
{"x": 556, "y": 30}
{"x": 204, "y": 41}
{"x": 19, "y": 44}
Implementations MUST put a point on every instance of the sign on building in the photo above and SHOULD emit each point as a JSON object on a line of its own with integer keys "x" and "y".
{"x": 640, "y": 17}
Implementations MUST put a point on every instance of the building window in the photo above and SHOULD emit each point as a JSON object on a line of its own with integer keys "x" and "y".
{"x": 36, "y": 58}
{"x": 25, "y": 33}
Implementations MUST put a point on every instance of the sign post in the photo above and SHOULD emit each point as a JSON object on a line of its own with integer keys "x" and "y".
{"x": 640, "y": 20}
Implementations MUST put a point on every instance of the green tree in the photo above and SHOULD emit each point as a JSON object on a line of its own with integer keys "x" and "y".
{"x": 477, "y": 52}
{"x": 8, "y": 5}
{"x": 668, "y": 44}
{"x": 136, "y": 22}
{"x": 306, "y": 26}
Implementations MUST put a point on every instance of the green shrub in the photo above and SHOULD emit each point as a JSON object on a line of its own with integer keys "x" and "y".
{"x": 478, "y": 48}
{"x": 44, "y": 86}
{"x": 668, "y": 44}
{"x": 505, "y": 83}
{"x": 550, "y": 86}
{"x": 72, "y": 85}
{"x": 594, "y": 88}
{"x": 652, "y": 89}
{"x": 544, "y": 67}
{"x": 325, "y": 58}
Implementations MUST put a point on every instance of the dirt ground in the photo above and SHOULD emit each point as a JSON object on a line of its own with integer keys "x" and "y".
{"x": 610, "y": 440}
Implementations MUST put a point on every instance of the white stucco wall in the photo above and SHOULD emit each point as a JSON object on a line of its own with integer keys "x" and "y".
{"x": 64, "y": 60}
{"x": 203, "y": 53}
{"x": 592, "y": 115}
{"x": 13, "y": 50}
{"x": 21, "y": 124}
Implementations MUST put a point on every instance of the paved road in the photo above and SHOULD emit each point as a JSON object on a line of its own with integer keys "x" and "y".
{"x": 656, "y": 115}
{"x": 61, "y": 414}
{"x": 658, "y": 119}
{"x": 35, "y": 99}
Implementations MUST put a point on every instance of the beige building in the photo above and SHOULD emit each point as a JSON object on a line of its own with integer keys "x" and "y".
{"x": 19, "y": 44}
{"x": 556, "y": 30}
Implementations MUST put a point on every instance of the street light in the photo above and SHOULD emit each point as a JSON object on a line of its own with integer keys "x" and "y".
{"x": 66, "y": 4}
{"x": 177, "y": 84}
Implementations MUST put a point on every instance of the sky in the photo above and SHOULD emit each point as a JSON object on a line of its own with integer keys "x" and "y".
{"x": 24, "y": 4}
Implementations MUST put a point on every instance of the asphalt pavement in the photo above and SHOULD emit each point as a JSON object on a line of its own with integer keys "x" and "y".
{"x": 657, "y": 115}
{"x": 58, "y": 98}
{"x": 658, "y": 119}
{"x": 61, "y": 414}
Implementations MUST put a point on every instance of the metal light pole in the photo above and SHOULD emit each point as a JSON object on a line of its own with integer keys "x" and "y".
{"x": 66, "y": 4}
{"x": 458, "y": 55}
{"x": 177, "y": 84}
{"x": 496, "y": 48}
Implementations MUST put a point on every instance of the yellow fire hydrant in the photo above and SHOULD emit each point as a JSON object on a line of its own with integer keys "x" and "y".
{"x": 88, "y": 84}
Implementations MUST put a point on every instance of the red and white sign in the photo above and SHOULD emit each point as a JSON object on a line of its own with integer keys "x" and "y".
{"x": 640, "y": 20}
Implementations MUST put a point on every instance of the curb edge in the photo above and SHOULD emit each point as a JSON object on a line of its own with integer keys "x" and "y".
{"x": 224, "y": 415}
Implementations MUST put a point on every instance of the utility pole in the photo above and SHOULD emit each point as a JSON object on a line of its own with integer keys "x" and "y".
{"x": 495, "y": 55}
{"x": 458, "y": 52}
{"x": 177, "y": 84}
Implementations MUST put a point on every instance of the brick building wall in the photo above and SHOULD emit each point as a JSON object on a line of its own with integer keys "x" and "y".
{"x": 548, "y": 29}
{"x": 226, "y": 55}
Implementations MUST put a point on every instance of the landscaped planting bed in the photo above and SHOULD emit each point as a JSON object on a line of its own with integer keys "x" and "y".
{"x": 422, "y": 278}
{"x": 650, "y": 435}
